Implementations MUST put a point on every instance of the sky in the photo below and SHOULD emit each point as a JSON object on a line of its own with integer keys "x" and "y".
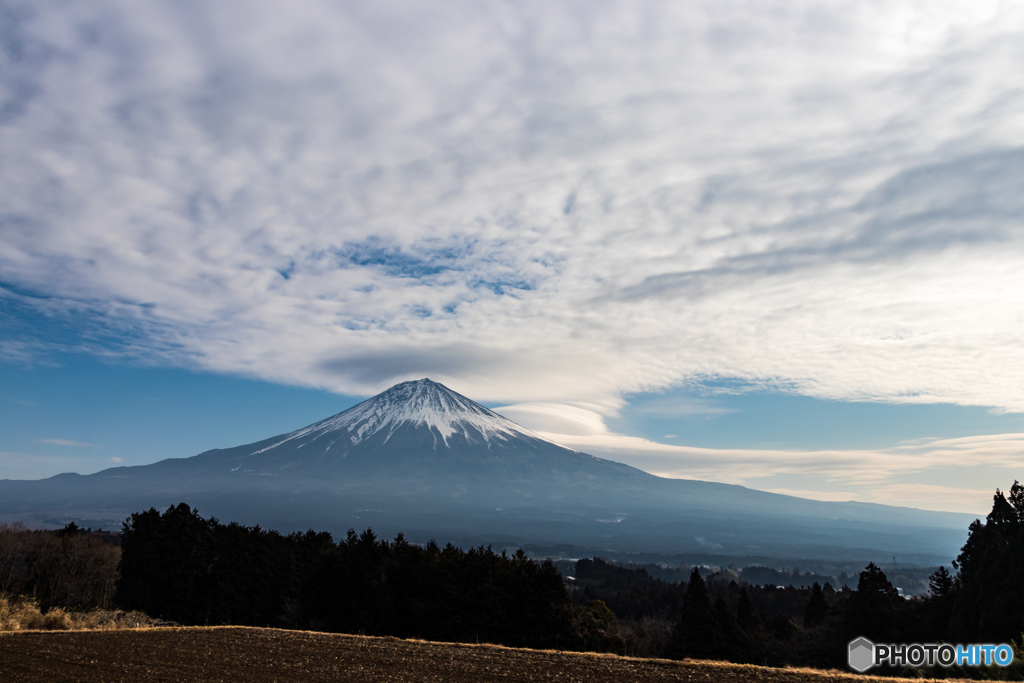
{"x": 778, "y": 244}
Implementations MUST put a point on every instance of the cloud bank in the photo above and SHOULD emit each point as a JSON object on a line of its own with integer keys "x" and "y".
{"x": 530, "y": 201}
{"x": 936, "y": 474}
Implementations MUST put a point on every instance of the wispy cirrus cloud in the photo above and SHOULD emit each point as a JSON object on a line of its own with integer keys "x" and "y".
{"x": 65, "y": 442}
{"x": 562, "y": 202}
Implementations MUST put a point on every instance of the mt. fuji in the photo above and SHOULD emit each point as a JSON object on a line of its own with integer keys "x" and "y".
{"x": 421, "y": 404}
{"x": 419, "y": 436}
{"x": 417, "y": 428}
{"x": 424, "y": 460}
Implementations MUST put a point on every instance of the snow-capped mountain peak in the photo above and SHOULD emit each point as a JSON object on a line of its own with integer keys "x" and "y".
{"x": 418, "y": 403}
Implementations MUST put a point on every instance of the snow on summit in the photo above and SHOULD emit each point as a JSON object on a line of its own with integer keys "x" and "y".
{"x": 419, "y": 403}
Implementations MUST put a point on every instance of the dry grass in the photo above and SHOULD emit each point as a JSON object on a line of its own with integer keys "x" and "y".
{"x": 23, "y": 614}
{"x": 259, "y": 655}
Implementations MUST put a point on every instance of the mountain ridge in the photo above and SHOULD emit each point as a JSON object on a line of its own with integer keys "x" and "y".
{"x": 422, "y": 458}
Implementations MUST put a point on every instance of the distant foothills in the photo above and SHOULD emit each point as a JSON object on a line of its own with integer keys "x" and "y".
{"x": 425, "y": 461}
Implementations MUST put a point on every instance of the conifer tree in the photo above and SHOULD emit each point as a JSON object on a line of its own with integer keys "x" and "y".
{"x": 937, "y": 609}
{"x": 940, "y": 583}
{"x": 733, "y": 640}
{"x": 746, "y": 614}
{"x": 873, "y": 608}
{"x": 698, "y": 634}
{"x": 817, "y": 608}
{"x": 989, "y": 589}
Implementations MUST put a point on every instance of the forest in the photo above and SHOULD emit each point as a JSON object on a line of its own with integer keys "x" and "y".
{"x": 180, "y": 567}
{"x": 71, "y": 567}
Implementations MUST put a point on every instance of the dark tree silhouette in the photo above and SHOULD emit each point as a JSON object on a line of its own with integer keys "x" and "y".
{"x": 697, "y": 634}
{"x": 746, "y": 614}
{"x": 988, "y": 593}
{"x": 941, "y": 583}
{"x": 872, "y": 608}
{"x": 181, "y": 567}
{"x": 817, "y": 608}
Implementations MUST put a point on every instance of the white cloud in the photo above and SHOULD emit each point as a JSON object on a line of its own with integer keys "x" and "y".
{"x": 557, "y": 418}
{"x": 901, "y": 475}
{"x": 561, "y": 202}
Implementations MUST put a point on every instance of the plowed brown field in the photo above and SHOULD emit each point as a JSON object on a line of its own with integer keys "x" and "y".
{"x": 263, "y": 655}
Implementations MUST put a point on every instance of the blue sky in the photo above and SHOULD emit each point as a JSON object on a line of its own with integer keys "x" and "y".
{"x": 85, "y": 415}
{"x": 775, "y": 244}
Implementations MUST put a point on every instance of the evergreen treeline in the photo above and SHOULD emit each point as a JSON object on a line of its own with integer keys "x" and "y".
{"x": 645, "y": 605}
{"x": 182, "y": 567}
{"x": 634, "y": 594}
{"x": 982, "y": 603}
{"x": 629, "y": 593}
{"x": 719, "y": 618}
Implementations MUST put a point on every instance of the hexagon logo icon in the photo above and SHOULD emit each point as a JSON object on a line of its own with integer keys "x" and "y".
{"x": 862, "y": 655}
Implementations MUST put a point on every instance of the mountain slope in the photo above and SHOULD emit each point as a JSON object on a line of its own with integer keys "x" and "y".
{"x": 423, "y": 459}
{"x": 417, "y": 429}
